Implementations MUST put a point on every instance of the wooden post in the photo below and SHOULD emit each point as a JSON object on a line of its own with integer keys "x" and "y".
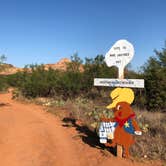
{"x": 119, "y": 151}
{"x": 119, "y": 148}
{"x": 120, "y": 72}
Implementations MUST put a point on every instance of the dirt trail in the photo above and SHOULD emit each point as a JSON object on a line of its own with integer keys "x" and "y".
{"x": 30, "y": 136}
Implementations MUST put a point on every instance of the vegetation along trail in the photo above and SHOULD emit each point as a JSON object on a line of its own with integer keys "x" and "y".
{"x": 29, "y": 136}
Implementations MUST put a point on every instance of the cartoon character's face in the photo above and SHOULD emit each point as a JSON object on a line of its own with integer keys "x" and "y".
{"x": 122, "y": 110}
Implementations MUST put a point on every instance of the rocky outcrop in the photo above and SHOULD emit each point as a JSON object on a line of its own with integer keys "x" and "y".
{"x": 61, "y": 65}
{"x": 7, "y": 69}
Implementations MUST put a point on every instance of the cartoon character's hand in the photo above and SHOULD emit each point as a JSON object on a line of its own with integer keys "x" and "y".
{"x": 110, "y": 145}
{"x": 138, "y": 132}
{"x": 107, "y": 144}
{"x": 103, "y": 119}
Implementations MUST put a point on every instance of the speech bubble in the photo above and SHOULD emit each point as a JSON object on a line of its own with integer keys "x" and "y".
{"x": 120, "y": 54}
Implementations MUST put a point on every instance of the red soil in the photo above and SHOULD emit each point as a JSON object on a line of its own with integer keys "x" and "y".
{"x": 29, "y": 136}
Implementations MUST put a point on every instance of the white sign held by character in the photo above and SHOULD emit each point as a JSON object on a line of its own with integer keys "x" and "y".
{"x": 120, "y": 54}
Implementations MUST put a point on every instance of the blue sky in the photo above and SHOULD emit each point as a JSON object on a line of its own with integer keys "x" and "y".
{"x": 44, "y": 31}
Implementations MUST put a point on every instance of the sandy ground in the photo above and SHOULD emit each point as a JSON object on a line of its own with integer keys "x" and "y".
{"x": 29, "y": 136}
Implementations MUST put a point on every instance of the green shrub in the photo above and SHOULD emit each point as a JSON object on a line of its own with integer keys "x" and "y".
{"x": 3, "y": 83}
{"x": 155, "y": 81}
{"x": 35, "y": 81}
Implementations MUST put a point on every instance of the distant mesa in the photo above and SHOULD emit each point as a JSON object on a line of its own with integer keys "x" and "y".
{"x": 61, "y": 65}
{"x": 8, "y": 69}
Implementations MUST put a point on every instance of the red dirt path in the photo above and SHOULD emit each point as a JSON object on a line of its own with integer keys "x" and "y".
{"x": 30, "y": 136}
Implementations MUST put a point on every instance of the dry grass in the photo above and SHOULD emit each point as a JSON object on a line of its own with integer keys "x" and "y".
{"x": 151, "y": 145}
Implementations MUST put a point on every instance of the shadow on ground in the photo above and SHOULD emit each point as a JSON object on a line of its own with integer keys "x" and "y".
{"x": 4, "y": 104}
{"x": 88, "y": 136}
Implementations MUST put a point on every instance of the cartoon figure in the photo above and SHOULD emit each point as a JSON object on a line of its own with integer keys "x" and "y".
{"x": 124, "y": 116}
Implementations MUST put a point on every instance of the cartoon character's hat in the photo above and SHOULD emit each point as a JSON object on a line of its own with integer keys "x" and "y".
{"x": 121, "y": 95}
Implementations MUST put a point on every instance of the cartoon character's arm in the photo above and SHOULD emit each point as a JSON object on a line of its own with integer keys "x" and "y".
{"x": 136, "y": 127}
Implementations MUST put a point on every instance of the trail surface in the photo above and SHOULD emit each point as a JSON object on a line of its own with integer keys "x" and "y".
{"x": 29, "y": 136}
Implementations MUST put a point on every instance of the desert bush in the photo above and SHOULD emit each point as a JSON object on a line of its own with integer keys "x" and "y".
{"x": 3, "y": 83}
{"x": 35, "y": 81}
{"x": 39, "y": 82}
{"x": 155, "y": 81}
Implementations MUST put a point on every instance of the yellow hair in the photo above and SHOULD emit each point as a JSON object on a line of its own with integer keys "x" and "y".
{"x": 120, "y": 95}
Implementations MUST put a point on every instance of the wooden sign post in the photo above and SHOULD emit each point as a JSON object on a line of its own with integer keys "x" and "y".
{"x": 120, "y": 54}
